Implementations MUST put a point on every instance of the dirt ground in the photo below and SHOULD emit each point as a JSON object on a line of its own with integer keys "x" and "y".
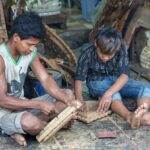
{"x": 79, "y": 137}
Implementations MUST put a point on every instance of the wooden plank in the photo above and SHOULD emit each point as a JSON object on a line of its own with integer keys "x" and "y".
{"x": 90, "y": 114}
{"x": 57, "y": 123}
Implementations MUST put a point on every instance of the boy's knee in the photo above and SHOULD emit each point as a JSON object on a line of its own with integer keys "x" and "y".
{"x": 31, "y": 123}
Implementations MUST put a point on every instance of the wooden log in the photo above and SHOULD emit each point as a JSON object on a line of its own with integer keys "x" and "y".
{"x": 90, "y": 114}
{"x": 57, "y": 123}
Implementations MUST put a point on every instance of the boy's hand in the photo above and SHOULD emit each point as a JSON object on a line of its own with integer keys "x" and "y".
{"x": 68, "y": 97}
{"x": 47, "y": 108}
{"x": 68, "y": 102}
{"x": 83, "y": 107}
{"x": 104, "y": 102}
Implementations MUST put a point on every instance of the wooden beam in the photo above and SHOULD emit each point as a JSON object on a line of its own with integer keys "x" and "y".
{"x": 57, "y": 123}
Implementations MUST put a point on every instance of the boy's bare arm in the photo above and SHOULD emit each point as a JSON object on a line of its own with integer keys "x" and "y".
{"x": 14, "y": 103}
{"x": 48, "y": 82}
{"x": 105, "y": 101}
{"x": 78, "y": 94}
{"x": 117, "y": 86}
{"x": 78, "y": 90}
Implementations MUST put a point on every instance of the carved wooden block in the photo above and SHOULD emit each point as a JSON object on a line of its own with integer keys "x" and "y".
{"x": 90, "y": 114}
{"x": 57, "y": 123}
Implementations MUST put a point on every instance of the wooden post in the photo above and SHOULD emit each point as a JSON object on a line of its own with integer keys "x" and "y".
{"x": 57, "y": 123}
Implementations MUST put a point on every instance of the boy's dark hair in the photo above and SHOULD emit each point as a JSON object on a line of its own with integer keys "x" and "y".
{"x": 27, "y": 25}
{"x": 108, "y": 40}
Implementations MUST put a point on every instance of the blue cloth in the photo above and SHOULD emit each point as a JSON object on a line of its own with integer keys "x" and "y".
{"x": 132, "y": 89}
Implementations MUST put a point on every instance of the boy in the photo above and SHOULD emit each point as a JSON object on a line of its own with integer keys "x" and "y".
{"x": 19, "y": 115}
{"x": 104, "y": 66}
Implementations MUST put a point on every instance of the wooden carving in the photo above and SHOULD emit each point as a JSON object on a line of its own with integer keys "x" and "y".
{"x": 90, "y": 114}
{"x": 57, "y": 123}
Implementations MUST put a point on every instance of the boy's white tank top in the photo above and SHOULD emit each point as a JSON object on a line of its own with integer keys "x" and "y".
{"x": 15, "y": 71}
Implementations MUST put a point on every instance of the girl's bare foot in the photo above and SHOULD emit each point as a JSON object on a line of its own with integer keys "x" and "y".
{"x": 19, "y": 139}
{"x": 136, "y": 119}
